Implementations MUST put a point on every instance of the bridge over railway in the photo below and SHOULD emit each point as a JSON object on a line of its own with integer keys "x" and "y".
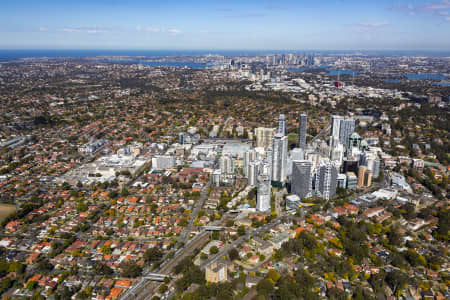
{"x": 155, "y": 277}
{"x": 144, "y": 287}
{"x": 213, "y": 228}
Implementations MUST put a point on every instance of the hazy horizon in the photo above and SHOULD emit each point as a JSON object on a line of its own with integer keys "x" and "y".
{"x": 242, "y": 25}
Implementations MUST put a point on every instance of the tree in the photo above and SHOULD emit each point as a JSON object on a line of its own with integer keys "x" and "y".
{"x": 17, "y": 267}
{"x": 304, "y": 277}
{"x": 396, "y": 280}
{"x": 191, "y": 274}
{"x": 309, "y": 241}
{"x": 102, "y": 269}
{"x": 409, "y": 211}
{"x": 215, "y": 235}
{"x": 362, "y": 294}
{"x": 287, "y": 289}
{"x": 336, "y": 294}
{"x": 394, "y": 237}
{"x": 30, "y": 285}
{"x": 229, "y": 223}
{"x": 377, "y": 282}
{"x": 183, "y": 265}
{"x": 81, "y": 207}
{"x": 184, "y": 222}
{"x": 113, "y": 194}
{"x": 5, "y": 284}
{"x": 398, "y": 260}
{"x": 130, "y": 269}
{"x": 443, "y": 226}
{"x": 152, "y": 255}
{"x": 233, "y": 254}
{"x": 273, "y": 275}
{"x": 241, "y": 230}
{"x": 82, "y": 295}
{"x": 163, "y": 288}
{"x": 264, "y": 287}
{"x": 341, "y": 192}
{"x": 44, "y": 265}
{"x": 252, "y": 193}
{"x": 415, "y": 259}
{"x": 124, "y": 192}
{"x": 106, "y": 249}
{"x": 213, "y": 250}
{"x": 64, "y": 293}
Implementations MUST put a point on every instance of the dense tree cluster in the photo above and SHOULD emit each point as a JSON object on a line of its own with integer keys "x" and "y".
{"x": 191, "y": 274}
{"x": 130, "y": 269}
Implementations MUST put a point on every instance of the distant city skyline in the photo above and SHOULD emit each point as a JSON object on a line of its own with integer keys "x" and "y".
{"x": 246, "y": 25}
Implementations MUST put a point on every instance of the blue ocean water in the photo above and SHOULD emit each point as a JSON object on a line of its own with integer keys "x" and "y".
{"x": 12, "y": 54}
{"x": 334, "y": 72}
{"x": 301, "y": 69}
{"x": 178, "y": 64}
{"x": 18, "y": 54}
{"x": 331, "y": 72}
{"x": 433, "y": 76}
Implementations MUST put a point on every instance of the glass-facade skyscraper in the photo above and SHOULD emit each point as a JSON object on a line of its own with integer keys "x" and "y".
{"x": 302, "y": 126}
{"x": 301, "y": 178}
{"x": 282, "y": 125}
{"x": 335, "y": 126}
{"x": 263, "y": 194}
{"x": 326, "y": 179}
{"x": 279, "y": 158}
{"x": 347, "y": 127}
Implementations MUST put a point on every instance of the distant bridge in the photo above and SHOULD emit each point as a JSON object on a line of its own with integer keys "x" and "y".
{"x": 213, "y": 228}
{"x": 155, "y": 277}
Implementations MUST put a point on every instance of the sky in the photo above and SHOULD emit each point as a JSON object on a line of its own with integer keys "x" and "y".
{"x": 210, "y": 24}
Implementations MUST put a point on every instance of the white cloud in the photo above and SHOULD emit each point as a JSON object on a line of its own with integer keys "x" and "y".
{"x": 174, "y": 31}
{"x": 204, "y": 31}
{"x": 91, "y": 30}
{"x": 43, "y": 29}
{"x": 444, "y": 4}
{"x": 438, "y": 8}
{"x": 171, "y": 31}
{"x": 95, "y": 31}
{"x": 408, "y": 9}
{"x": 374, "y": 24}
{"x": 369, "y": 27}
{"x": 148, "y": 28}
{"x": 246, "y": 16}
